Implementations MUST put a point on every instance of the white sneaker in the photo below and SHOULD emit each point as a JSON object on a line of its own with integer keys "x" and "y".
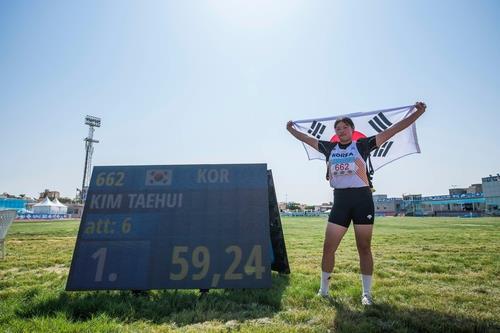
{"x": 366, "y": 299}
{"x": 322, "y": 293}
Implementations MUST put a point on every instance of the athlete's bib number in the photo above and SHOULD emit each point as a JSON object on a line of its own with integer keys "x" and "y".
{"x": 342, "y": 167}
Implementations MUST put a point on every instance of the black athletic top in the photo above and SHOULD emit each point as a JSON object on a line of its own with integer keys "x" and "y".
{"x": 364, "y": 145}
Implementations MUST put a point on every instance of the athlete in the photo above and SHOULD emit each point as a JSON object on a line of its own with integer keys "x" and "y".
{"x": 353, "y": 200}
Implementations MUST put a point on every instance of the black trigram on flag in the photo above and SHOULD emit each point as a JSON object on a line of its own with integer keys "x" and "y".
{"x": 380, "y": 123}
{"x": 382, "y": 150}
{"x": 316, "y": 129}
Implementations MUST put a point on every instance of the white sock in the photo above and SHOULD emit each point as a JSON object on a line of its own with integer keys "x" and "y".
{"x": 325, "y": 282}
{"x": 366, "y": 280}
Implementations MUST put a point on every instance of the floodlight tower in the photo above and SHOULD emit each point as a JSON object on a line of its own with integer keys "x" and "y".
{"x": 92, "y": 122}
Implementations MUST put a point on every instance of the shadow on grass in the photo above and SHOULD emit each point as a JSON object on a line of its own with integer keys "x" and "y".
{"x": 383, "y": 317}
{"x": 182, "y": 307}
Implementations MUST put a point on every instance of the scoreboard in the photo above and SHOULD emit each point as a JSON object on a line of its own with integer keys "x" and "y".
{"x": 174, "y": 226}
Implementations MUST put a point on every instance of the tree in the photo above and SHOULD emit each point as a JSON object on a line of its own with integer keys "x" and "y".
{"x": 65, "y": 200}
{"x": 293, "y": 206}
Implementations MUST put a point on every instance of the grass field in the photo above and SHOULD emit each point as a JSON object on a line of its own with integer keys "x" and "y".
{"x": 431, "y": 275}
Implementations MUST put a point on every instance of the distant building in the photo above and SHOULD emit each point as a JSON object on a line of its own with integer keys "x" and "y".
{"x": 475, "y": 200}
{"x": 377, "y": 197}
{"x": 491, "y": 188}
{"x": 412, "y": 197}
{"x": 13, "y": 203}
{"x": 49, "y": 194}
{"x": 326, "y": 206}
{"x": 444, "y": 205}
{"x": 452, "y": 205}
{"x": 475, "y": 188}
{"x": 293, "y": 206}
{"x": 385, "y": 206}
{"x": 412, "y": 204}
{"x": 457, "y": 191}
{"x": 75, "y": 210}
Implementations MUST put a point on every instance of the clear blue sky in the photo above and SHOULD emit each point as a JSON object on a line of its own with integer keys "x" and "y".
{"x": 180, "y": 82}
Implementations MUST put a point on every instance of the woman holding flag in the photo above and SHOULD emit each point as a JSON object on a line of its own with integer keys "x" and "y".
{"x": 353, "y": 200}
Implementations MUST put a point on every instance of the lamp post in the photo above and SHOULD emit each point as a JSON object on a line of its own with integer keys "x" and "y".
{"x": 92, "y": 122}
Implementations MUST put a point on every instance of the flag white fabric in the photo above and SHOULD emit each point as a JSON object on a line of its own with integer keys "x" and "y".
{"x": 367, "y": 124}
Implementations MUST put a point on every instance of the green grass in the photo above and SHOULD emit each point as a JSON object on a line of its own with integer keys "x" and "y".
{"x": 431, "y": 275}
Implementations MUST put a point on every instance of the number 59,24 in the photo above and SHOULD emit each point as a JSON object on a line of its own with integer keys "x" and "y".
{"x": 200, "y": 260}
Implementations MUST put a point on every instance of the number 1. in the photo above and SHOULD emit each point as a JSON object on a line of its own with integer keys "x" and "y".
{"x": 101, "y": 256}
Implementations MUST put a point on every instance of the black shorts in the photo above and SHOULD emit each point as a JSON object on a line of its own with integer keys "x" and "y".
{"x": 354, "y": 204}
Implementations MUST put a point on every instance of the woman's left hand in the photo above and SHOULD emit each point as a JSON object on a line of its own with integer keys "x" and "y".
{"x": 420, "y": 106}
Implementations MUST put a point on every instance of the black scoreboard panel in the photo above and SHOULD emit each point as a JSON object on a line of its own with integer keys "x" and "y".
{"x": 280, "y": 257}
{"x": 174, "y": 226}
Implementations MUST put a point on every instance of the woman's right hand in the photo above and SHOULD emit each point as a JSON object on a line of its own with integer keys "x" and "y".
{"x": 301, "y": 136}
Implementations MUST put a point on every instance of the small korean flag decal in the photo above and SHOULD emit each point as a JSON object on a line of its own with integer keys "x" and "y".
{"x": 158, "y": 177}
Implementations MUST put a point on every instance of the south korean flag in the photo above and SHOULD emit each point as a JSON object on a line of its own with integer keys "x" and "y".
{"x": 366, "y": 124}
{"x": 158, "y": 177}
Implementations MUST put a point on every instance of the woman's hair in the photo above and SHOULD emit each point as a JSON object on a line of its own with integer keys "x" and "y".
{"x": 345, "y": 120}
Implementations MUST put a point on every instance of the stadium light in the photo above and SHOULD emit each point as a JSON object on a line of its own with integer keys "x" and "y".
{"x": 93, "y": 121}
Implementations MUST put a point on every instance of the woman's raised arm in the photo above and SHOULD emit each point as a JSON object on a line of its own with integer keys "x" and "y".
{"x": 401, "y": 125}
{"x": 301, "y": 136}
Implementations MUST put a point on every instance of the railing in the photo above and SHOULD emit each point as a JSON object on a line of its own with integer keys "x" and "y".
{"x": 6, "y": 218}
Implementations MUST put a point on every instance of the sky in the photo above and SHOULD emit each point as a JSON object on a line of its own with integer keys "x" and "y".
{"x": 197, "y": 82}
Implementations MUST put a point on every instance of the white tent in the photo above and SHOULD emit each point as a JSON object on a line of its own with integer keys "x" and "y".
{"x": 46, "y": 207}
{"x": 62, "y": 208}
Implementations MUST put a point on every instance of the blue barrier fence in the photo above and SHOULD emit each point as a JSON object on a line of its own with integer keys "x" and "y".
{"x": 42, "y": 216}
